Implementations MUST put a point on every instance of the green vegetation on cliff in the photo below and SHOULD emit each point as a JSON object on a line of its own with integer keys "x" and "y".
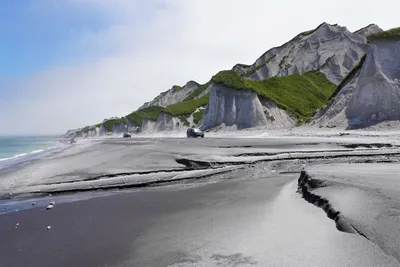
{"x": 198, "y": 91}
{"x": 389, "y": 34}
{"x": 197, "y": 116}
{"x": 109, "y": 124}
{"x": 187, "y": 107}
{"x": 176, "y": 110}
{"x": 256, "y": 68}
{"x": 149, "y": 113}
{"x": 349, "y": 76}
{"x": 299, "y": 94}
{"x": 176, "y": 88}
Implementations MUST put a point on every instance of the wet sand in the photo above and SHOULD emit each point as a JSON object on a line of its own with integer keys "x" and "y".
{"x": 95, "y": 232}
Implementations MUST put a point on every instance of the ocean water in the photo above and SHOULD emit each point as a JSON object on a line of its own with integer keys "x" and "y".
{"x": 15, "y": 150}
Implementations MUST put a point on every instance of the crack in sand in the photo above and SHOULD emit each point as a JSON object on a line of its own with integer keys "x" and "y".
{"x": 306, "y": 184}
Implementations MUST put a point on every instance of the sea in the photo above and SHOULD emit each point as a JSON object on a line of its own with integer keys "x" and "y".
{"x": 16, "y": 150}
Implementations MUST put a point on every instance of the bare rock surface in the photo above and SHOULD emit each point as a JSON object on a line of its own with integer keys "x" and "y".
{"x": 331, "y": 48}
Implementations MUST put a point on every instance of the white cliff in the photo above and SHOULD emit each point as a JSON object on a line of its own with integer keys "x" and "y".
{"x": 242, "y": 109}
{"x": 165, "y": 122}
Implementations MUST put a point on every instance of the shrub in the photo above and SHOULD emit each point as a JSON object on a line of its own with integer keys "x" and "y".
{"x": 149, "y": 113}
{"x": 187, "y": 107}
{"x": 197, "y": 91}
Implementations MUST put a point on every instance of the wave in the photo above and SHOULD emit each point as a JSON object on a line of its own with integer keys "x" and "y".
{"x": 13, "y": 161}
{"x": 14, "y": 157}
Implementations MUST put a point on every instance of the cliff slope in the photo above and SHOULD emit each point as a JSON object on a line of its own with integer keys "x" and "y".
{"x": 371, "y": 94}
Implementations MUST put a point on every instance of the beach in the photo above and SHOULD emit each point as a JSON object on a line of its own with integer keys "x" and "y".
{"x": 192, "y": 202}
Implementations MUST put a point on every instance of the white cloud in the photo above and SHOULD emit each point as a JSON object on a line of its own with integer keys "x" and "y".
{"x": 156, "y": 44}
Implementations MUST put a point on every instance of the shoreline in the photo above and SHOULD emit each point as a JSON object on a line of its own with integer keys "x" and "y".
{"x": 14, "y": 161}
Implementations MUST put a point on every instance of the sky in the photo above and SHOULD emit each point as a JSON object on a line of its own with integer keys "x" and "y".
{"x": 71, "y": 63}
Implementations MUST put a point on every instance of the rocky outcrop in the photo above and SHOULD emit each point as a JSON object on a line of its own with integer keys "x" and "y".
{"x": 241, "y": 68}
{"x": 165, "y": 122}
{"x": 370, "y": 29}
{"x": 276, "y": 117}
{"x": 372, "y": 93}
{"x": 120, "y": 128}
{"x": 174, "y": 95}
{"x": 377, "y": 95}
{"x": 331, "y": 48}
{"x": 242, "y": 109}
{"x": 132, "y": 127}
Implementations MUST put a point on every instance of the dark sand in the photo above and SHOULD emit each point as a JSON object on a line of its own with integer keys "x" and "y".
{"x": 248, "y": 217}
{"x": 99, "y": 231}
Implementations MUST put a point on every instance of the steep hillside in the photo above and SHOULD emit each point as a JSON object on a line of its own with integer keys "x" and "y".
{"x": 174, "y": 95}
{"x": 249, "y": 103}
{"x": 284, "y": 87}
{"x": 371, "y": 94}
{"x": 332, "y": 49}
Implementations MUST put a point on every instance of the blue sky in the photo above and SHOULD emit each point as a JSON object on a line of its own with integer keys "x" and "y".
{"x": 71, "y": 63}
{"x": 38, "y": 34}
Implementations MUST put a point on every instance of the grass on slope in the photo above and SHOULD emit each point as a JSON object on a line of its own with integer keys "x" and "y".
{"x": 187, "y": 107}
{"x": 109, "y": 125}
{"x": 198, "y": 91}
{"x": 349, "y": 76}
{"x": 299, "y": 94}
{"x": 176, "y": 88}
{"x": 392, "y": 33}
{"x": 197, "y": 116}
{"x": 256, "y": 68}
{"x": 149, "y": 113}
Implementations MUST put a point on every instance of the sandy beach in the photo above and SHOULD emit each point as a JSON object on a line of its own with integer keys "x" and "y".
{"x": 192, "y": 202}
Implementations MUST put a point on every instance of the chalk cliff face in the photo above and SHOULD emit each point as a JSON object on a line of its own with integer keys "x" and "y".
{"x": 165, "y": 122}
{"x": 372, "y": 93}
{"x": 330, "y": 48}
{"x": 241, "y": 108}
{"x": 229, "y": 107}
{"x": 174, "y": 95}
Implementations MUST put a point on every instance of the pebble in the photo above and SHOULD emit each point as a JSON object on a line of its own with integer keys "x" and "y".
{"x": 48, "y": 227}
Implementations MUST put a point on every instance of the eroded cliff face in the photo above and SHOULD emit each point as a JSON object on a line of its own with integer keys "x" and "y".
{"x": 120, "y": 128}
{"x": 377, "y": 95}
{"x": 242, "y": 109}
{"x": 334, "y": 113}
{"x": 165, "y": 122}
{"x": 174, "y": 95}
{"x": 371, "y": 95}
{"x": 331, "y": 48}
